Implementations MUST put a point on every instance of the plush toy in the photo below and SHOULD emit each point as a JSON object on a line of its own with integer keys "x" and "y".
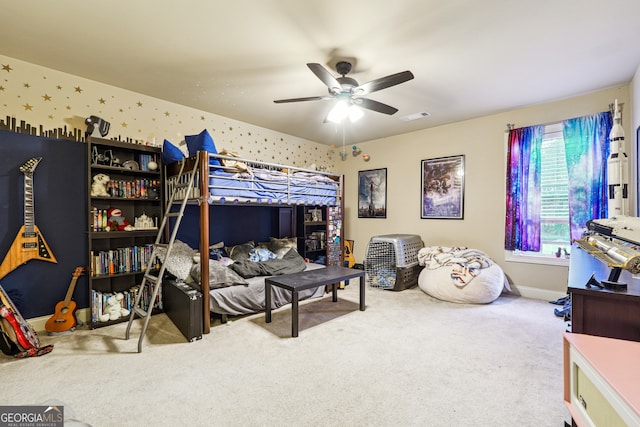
{"x": 116, "y": 222}
{"x": 114, "y": 310}
{"x": 99, "y": 185}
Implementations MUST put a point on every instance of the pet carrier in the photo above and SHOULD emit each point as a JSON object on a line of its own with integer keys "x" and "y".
{"x": 392, "y": 261}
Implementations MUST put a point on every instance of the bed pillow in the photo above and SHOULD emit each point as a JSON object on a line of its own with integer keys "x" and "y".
{"x": 180, "y": 261}
{"x": 171, "y": 153}
{"x": 281, "y": 246}
{"x": 202, "y": 142}
{"x": 240, "y": 252}
{"x": 220, "y": 276}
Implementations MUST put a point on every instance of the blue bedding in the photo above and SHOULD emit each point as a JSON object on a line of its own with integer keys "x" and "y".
{"x": 269, "y": 186}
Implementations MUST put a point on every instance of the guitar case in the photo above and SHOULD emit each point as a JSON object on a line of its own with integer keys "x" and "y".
{"x": 183, "y": 305}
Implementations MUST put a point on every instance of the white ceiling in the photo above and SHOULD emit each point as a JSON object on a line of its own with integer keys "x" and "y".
{"x": 470, "y": 58}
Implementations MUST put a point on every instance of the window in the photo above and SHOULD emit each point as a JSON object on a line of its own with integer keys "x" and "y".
{"x": 555, "y": 236}
{"x": 556, "y": 182}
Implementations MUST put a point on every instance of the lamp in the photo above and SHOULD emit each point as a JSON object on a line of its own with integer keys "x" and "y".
{"x": 342, "y": 109}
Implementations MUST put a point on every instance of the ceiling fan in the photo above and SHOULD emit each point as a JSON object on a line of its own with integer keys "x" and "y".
{"x": 347, "y": 89}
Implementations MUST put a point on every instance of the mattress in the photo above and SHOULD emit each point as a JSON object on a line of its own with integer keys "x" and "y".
{"x": 248, "y": 299}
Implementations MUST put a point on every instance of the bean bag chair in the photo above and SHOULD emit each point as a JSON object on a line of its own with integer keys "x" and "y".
{"x": 461, "y": 275}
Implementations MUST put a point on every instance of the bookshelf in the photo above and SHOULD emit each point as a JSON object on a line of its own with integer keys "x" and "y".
{"x": 319, "y": 230}
{"x": 118, "y": 257}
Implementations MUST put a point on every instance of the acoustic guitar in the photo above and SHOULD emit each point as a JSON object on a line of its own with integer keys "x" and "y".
{"x": 349, "y": 259}
{"x": 29, "y": 243}
{"x": 64, "y": 317}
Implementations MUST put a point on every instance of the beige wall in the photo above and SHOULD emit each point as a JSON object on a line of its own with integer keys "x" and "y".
{"x": 481, "y": 140}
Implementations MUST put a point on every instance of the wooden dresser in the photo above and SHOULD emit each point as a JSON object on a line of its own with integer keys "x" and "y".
{"x": 602, "y": 312}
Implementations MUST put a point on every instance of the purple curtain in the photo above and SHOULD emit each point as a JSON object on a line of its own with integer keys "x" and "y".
{"x": 522, "y": 222}
{"x": 586, "y": 141}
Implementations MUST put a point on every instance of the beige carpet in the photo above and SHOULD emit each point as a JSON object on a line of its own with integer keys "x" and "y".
{"x": 408, "y": 360}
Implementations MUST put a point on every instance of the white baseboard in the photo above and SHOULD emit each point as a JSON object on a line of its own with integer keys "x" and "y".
{"x": 537, "y": 293}
{"x": 38, "y": 322}
{"x": 524, "y": 291}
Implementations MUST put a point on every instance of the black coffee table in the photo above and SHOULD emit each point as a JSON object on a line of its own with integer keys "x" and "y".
{"x": 331, "y": 275}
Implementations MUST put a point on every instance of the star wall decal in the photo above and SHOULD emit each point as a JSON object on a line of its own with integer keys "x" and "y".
{"x": 7, "y": 68}
{"x": 28, "y": 107}
{"x": 139, "y": 104}
{"x": 102, "y": 101}
{"x": 166, "y": 113}
{"x": 1, "y": 87}
{"x": 124, "y": 125}
{"x": 27, "y": 85}
{"x": 46, "y": 97}
{"x": 59, "y": 87}
{"x": 77, "y": 89}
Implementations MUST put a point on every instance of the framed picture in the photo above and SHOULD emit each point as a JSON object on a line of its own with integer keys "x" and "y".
{"x": 443, "y": 188}
{"x": 372, "y": 193}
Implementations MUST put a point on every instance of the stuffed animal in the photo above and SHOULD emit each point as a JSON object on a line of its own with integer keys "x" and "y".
{"x": 116, "y": 222}
{"x": 99, "y": 185}
{"x": 114, "y": 310}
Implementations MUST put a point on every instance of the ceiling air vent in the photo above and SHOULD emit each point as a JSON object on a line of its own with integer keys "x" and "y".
{"x": 415, "y": 116}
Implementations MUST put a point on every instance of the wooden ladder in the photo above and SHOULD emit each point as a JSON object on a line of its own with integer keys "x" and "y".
{"x": 153, "y": 278}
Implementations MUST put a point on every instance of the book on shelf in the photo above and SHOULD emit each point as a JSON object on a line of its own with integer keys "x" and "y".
{"x": 145, "y": 159}
{"x": 132, "y": 259}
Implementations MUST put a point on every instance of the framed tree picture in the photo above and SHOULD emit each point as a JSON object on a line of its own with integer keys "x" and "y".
{"x": 372, "y": 193}
{"x": 443, "y": 188}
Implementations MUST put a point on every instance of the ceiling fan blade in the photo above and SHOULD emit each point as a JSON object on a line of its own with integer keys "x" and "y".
{"x": 327, "y": 78}
{"x": 309, "y": 98}
{"x": 383, "y": 83}
{"x": 370, "y": 104}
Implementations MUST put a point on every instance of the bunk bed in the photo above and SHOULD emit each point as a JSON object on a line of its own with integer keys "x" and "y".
{"x": 225, "y": 180}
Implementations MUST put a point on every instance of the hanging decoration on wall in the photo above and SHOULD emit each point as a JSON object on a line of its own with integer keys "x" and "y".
{"x": 356, "y": 151}
{"x": 366, "y": 157}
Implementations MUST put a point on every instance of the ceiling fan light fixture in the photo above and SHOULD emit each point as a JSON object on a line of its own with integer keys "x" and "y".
{"x": 342, "y": 110}
{"x": 355, "y": 113}
{"x": 338, "y": 112}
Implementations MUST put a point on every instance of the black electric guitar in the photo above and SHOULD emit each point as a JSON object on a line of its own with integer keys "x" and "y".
{"x": 29, "y": 243}
{"x": 64, "y": 317}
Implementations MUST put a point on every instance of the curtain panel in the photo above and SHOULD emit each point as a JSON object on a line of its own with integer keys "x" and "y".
{"x": 522, "y": 222}
{"x": 586, "y": 142}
